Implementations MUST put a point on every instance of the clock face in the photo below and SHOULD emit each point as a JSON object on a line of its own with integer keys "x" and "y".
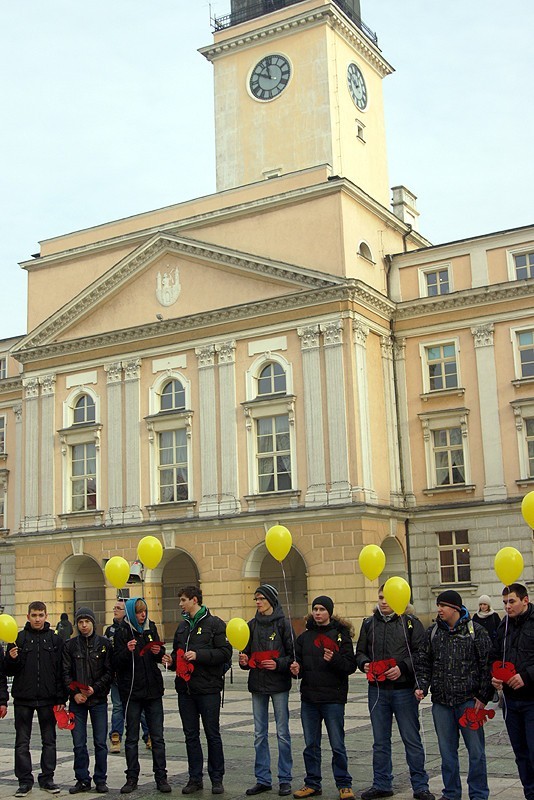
{"x": 357, "y": 87}
{"x": 270, "y": 77}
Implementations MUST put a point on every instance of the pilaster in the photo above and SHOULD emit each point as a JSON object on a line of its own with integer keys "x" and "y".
{"x": 386, "y": 350}
{"x": 31, "y": 454}
{"x": 229, "y": 502}
{"x": 399, "y": 366}
{"x": 209, "y": 503}
{"x": 132, "y": 373}
{"x": 340, "y": 485}
{"x": 313, "y": 415}
{"x": 114, "y": 443}
{"x": 46, "y": 463}
{"x": 360, "y": 334}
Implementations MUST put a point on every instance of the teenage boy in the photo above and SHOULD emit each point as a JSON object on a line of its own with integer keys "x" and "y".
{"x": 514, "y": 643}
{"x": 35, "y": 663}
{"x": 87, "y": 676}
{"x": 200, "y": 651}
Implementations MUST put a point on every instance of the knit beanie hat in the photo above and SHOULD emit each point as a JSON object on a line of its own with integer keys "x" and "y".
{"x": 485, "y": 598}
{"x": 327, "y": 602}
{"x": 269, "y": 592}
{"x": 84, "y": 612}
{"x": 450, "y": 598}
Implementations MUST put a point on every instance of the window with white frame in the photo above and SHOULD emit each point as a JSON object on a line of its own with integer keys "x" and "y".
{"x": 442, "y": 367}
{"x": 525, "y": 353}
{"x": 173, "y": 466}
{"x": 446, "y": 449}
{"x": 524, "y": 422}
{"x": 83, "y": 477}
{"x": 271, "y": 380}
{"x": 435, "y": 281}
{"x": 2, "y": 435}
{"x": 454, "y": 557}
{"x": 524, "y": 265}
{"x": 529, "y": 439}
{"x": 2, "y": 505}
{"x": 3, "y": 368}
{"x": 273, "y": 453}
{"x": 83, "y": 411}
{"x": 172, "y": 396}
{"x": 80, "y": 447}
{"x": 449, "y": 461}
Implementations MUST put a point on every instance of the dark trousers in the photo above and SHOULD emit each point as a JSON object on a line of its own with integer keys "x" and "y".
{"x": 519, "y": 718}
{"x": 154, "y": 717}
{"x": 192, "y": 709}
{"x": 99, "y": 722}
{"x": 23, "y": 733}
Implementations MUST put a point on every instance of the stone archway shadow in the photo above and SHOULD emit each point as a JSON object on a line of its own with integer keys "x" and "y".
{"x": 80, "y": 582}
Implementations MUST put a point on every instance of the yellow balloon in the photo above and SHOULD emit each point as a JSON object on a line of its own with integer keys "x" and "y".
{"x": 527, "y": 509}
{"x": 150, "y": 551}
{"x": 117, "y": 571}
{"x": 397, "y": 594}
{"x": 237, "y": 633}
{"x": 508, "y": 565}
{"x": 372, "y": 561}
{"x": 278, "y": 541}
{"x": 8, "y": 628}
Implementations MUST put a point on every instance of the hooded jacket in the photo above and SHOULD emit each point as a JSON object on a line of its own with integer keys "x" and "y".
{"x": 270, "y": 632}
{"x": 37, "y": 676}
{"x": 325, "y": 681}
{"x": 455, "y": 663}
{"x": 515, "y": 643}
{"x": 206, "y": 635}
{"x": 4, "y": 694}
{"x": 395, "y": 637}
{"x": 138, "y": 676}
{"x": 87, "y": 660}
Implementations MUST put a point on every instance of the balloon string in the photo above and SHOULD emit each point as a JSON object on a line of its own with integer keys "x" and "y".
{"x": 288, "y": 609}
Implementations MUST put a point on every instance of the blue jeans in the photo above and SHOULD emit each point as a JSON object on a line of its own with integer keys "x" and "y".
{"x": 447, "y": 730}
{"x": 154, "y": 717}
{"x": 208, "y": 708}
{"x": 117, "y": 715}
{"x": 383, "y": 704}
{"x": 99, "y": 723}
{"x": 519, "y": 718}
{"x": 312, "y": 716}
{"x": 23, "y": 732}
{"x": 260, "y": 711}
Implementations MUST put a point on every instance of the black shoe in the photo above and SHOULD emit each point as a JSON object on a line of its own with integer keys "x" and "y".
{"x": 23, "y": 790}
{"x": 80, "y": 786}
{"x": 258, "y": 788}
{"x": 129, "y": 786}
{"x": 217, "y": 788}
{"x": 192, "y": 786}
{"x": 424, "y": 794}
{"x": 284, "y": 790}
{"x": 372, "y": 792}
{"x": 101, "y": 788}
{"x": 164, "y": 786}
{"x": 50, "y": 787}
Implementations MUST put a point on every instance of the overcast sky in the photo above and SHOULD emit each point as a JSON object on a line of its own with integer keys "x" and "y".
{"x": 107, "y": 111}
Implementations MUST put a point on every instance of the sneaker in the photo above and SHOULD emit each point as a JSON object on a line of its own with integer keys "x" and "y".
{"x": 115, "y": 746}
{"x": 346, "y": 793}
{"x": 373, "y": 792}
{"x": 80, "y": 786}
{"x": 101, "y": 788}
{"x": 164, "y": 786}
{"x": 50, "y": 787}
{"x": 148, "y": 743}
{"x": 258, "y": 788}
{"x": 307, "y": 791}
{"x": 424, "y": 795}
{"x": 23, "y": 790}
{"x": 192, "y": 786}
{"x": 217, "y": 788}
{"x": 129, "y": 786}
{"x": 284, "y": 789}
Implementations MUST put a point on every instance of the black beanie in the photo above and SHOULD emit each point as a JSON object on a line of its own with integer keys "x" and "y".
{"x": 84, "y": 612}
{"x": 325, "y": 601}
{"x": 269, "y": 592}
{"x": 450, "y": 598}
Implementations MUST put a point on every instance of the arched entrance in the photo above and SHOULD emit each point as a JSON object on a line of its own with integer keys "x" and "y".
{"x": 179, "y": 571}
{"x": 268, "y": 570}
{"x": 80, "y": 582}
{"x": 395, "y": 561}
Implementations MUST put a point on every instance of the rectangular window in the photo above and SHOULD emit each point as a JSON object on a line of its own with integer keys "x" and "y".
{"x": 437, "y": 282}
{"x": 3, "y": 368}
{"x": 2, "y": 507}
{"x": 529, "y": 428}
{"x": 524, "y": 266}
{"x": 172, "y": 468}
{"x": 454, "y": 557}
{"x": 2, "y": 435}
{"x": 448, "y": 456}
{"x": 525, "y": 344}
{"x": 442, "y": 368}
{"x": 83, "y": 477}
{"x": 273, "y": 454}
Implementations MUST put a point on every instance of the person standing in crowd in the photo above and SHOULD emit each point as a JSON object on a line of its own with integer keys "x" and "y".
{"x": 64, "y": 627}
{"x": 267, "y": 656}
{"x": 514, "y": 643}
{"x": 453, "y": 661}
{"x": 87, "y": 675}
{"x": 324, "y": 660}
{"x": 117, "y": 711}
{"x": 384, "y": 636}
{"x": 486, "y": 616}
{"x": 4, "y": 694}
{"x": 34, "y": 660}
{"x": 137, "y": 652}
{"x": 200, "y": 653}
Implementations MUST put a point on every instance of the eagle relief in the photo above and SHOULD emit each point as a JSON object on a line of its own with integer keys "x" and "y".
{"x": 168, "y": 287}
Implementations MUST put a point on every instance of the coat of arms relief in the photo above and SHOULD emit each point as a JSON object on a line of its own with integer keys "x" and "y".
{"x": 168, "y": 286}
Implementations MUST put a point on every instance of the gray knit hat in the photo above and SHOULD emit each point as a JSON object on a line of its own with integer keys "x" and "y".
{"x": 84, "y": 612}
{"x": 269, "y": 592}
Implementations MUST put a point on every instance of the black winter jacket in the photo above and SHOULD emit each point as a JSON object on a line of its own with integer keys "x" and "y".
{"x": 147, "y": 681}
{"x": 87, "y": 660}
{"x": 394, "y": 637}
{"x": 4, "y": 694}
{"x": 455, "y": 663}
{"x": 37, "y": 677}
{"x": 490, "y": 623}
{"x": 325, "y": 681}
{"x": 208, "y": 640}
{"x": 518, "y": 648}
{"x": 270, "y": 632}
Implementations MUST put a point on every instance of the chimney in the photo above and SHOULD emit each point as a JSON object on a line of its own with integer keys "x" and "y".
{"x": 404, "y": 206}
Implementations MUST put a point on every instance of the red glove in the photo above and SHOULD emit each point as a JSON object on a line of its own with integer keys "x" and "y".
{"x": 378, "y": 669}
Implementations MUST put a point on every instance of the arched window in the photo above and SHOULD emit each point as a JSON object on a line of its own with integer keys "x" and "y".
{"x": 172, "y": 396}
{"x": 271, "y": 380}
{"x": 84, "y": 410}
{"x": 365, "y": 251}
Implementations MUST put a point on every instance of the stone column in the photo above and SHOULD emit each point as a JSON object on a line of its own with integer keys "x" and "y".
{"x": 340, "y": 485}
{"x": 360, "y": 333}
{"x": 399, "y": 365}
{"x": 114, "y": 443}
{"x": 209, "y": 503}
{"x": 132, "y": 372}
{"x": 31, "y": 454}
{"x": 17, "y": 508}
{"x": 494, "y": 484}
{"x": 313, "y": 415}
{"x": 386, "y": 349}
{"x": 46, "y": 479}
{"x": 230, "y": 503}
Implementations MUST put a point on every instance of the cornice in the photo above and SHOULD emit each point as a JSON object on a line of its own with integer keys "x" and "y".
{"x": 467, "y": 298}
{"x": 10, "y": 385}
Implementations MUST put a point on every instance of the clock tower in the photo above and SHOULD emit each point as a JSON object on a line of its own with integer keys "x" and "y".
{"x": 298, "y": 84}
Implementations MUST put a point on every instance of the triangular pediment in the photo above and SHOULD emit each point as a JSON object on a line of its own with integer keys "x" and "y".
{"x": 170, "y": 277}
